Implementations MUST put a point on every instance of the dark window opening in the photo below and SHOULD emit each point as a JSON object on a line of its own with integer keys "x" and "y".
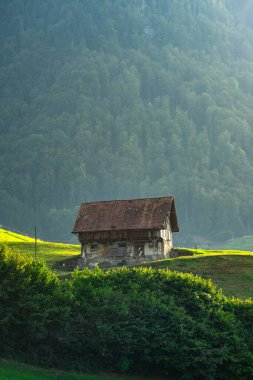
{"x": 139, "y": 250}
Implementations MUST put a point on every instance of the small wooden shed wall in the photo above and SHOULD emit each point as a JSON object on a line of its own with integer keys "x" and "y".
{"x": 126, "y": 228}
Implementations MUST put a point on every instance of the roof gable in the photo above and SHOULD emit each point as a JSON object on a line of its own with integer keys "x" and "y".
{"x": 145, "y": 213}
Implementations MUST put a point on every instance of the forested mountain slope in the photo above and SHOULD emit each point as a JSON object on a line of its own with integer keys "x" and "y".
{"x": 116, "y": 99}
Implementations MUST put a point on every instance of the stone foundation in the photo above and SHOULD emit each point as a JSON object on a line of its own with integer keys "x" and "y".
{"x": 116, "y": 262}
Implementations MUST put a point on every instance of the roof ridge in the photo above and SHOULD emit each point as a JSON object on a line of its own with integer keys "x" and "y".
{"x": 128, "y": 199}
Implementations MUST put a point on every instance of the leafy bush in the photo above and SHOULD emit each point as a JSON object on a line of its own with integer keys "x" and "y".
{"x": 133, "y": 320}
{"x": 161, "y": 322}
{"x": 32, "y": 308}
{"x": 243, "y": 309}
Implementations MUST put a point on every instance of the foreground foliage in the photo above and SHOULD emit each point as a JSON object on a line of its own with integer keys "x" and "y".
{"x": 138, "y": 320}
{"x": 32, "y": 306}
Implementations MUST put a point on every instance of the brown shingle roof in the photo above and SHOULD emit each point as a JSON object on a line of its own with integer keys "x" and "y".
{"x": 146, "y": 213}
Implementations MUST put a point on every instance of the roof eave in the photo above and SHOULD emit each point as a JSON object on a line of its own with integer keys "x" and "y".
{"x": 120, "y": 229}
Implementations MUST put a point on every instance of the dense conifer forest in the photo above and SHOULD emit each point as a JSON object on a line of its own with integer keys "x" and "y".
{"x": 117, "y": 99}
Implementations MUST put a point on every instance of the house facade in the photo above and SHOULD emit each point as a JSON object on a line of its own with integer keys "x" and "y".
{"x": 126, "y": 230}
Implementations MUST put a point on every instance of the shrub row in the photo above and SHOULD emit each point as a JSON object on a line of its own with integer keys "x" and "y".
{"x": 132, "y": 320}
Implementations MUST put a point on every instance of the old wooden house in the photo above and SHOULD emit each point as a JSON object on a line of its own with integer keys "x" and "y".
{"x": 126, "y": 230}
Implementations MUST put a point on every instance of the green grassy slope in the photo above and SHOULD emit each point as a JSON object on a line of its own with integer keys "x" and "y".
{"x": 243, "y": 243}
{"x": 15, "y": 371}
{"x": 50, "y": 252}
{"x": 231, "y": 271}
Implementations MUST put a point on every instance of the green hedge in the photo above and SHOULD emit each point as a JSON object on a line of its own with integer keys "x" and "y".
{"x": 33, "y": 307}
{"x": 132, "y": 320}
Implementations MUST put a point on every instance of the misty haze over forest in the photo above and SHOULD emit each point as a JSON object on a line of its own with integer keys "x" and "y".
{"x": 127, "y": 98}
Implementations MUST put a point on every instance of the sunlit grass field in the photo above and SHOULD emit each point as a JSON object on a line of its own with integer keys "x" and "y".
{"x": 15, "y": 371}
{"x": 231, "y": 270}
{"x": 48, "y": 251}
